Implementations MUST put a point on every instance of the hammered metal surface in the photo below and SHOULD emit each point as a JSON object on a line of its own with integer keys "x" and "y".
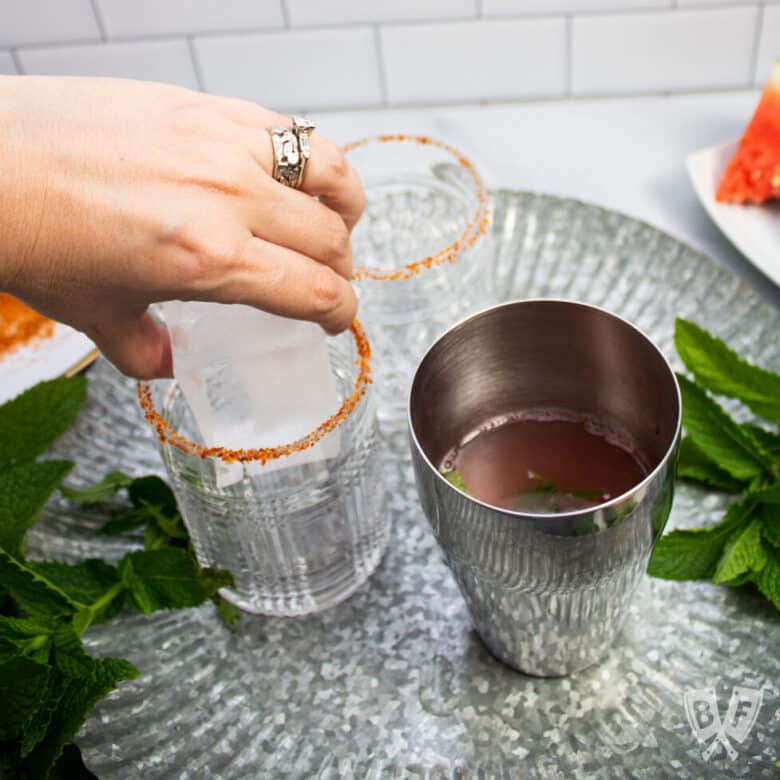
{"x": 394, "y": 683}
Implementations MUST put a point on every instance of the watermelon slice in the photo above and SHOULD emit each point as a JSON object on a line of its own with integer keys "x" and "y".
{"x": 753, "y": 175}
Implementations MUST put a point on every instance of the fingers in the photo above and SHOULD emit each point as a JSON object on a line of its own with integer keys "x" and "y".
{"x": 299, "y": 222}
{"x": 328, "y": 175}
{"x": 137, "y": 346}
{"x": 285, "y": 282}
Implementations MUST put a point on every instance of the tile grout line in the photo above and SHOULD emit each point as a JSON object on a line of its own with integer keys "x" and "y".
{"x": 519, "y": 102}
{"x": 17, "y": 61}
{"x": 380, "y": 64}
{"x": 285, "y": 14}
{"x": 568, "y": 55}
{"x": 196, "y": 66}
{"x": 99, "y": 19}
{"x": 753, "y": 78}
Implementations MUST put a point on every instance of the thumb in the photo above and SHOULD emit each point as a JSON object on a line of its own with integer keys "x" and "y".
{"x": 138, "y": 346}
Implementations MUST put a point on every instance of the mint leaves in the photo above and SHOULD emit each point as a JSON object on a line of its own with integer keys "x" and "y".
{"x": 744, "y": 547}
{"x": 455, "y": 479}
{"x": 48, "y": 682}
{"x": 721, "y": 370}
{"x": 32, "y": 421}
{"x": 168, "y": 578}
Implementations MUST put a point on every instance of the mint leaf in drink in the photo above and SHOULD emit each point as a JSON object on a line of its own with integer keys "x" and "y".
{"x": 24, "y": 489}
{"x": 721, "y": 370}
{"x": 589, "y": 494}
{"x": 32, "y": 421}
{"x": 694, "y": 465}
{"x": 78, "y": 698}
{"x": 744, "y": 553}
{"x": 168, "y": 578}
{"x": 716, "y": 434}
{"x": 768, "y": 579}
{"x": 694, "y": 554}
{"x": 542, "y": 484}
{"x": 101, "y": 491}
{"x": 455, "y": 479}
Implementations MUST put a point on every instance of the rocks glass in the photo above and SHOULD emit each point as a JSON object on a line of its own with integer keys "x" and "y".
{"x": 299, "y": 538}
{"x": 420, "y": 254}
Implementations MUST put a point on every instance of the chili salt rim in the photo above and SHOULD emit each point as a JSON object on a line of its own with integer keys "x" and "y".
{"x": 476, "y": 226}
{"x": 167, "y": 435}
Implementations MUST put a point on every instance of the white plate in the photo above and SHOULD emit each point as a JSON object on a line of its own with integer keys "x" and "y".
{"x": 65, "y": 352}
{"x": 753, "y": 229}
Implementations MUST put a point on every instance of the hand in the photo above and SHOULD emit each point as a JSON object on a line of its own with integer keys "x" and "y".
{"x": 116, "y": 194}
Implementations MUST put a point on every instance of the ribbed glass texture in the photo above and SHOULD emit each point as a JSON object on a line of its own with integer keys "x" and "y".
{"x": 297, "y": 539}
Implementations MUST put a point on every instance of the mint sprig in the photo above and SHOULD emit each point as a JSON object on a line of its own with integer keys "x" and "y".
{"x": 48, "y": 682}
{"x": 719, "y": 369}
{"x": 721, "y": 454}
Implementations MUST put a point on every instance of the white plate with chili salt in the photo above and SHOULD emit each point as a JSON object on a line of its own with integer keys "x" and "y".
{"x": 753, "y": 229}
{"x": 33, "y": 349}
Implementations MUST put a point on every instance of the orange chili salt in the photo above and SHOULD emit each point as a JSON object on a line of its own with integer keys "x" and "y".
{"x": 167, "y": 435}
{"x": 475, "y": 227}
{"x": 20, "y": 325}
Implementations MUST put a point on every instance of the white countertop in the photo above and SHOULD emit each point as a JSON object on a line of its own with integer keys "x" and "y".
{"x": 627, "y": 154}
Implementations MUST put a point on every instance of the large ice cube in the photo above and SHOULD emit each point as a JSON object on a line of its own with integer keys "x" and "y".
{"x": 252, "y": 380}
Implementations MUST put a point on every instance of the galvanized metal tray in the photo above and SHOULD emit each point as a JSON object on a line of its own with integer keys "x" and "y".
{"x": 395, "y": 683}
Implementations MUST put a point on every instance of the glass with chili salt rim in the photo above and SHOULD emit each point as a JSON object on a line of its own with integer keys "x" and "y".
{"x": 297, "y": 539}
{"x": 420, "y": 252}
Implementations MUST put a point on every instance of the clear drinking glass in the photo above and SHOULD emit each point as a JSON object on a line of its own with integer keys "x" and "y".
{"x": 420, "y": 251}
{"x": 297, "y": 539}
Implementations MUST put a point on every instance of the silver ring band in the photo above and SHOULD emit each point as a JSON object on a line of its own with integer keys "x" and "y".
{"x": 303, "y": 128}
{"x": 292, "y": 151}
{"x": 287, "y": 158}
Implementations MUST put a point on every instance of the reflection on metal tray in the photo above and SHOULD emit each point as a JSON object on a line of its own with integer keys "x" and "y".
{"x": 394, "y": 682}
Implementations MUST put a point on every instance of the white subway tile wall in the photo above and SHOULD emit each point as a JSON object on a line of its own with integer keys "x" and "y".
{"x": 129, "y": 18}
{"x": 668, "y": 50}
{"x": 769, "y": 45}
{"x": 480, "y": 60}
{"x": 683, "y": 3}
{"x": 340, "y": 68}
{"x": 510, "y": 7}
{"x": 42, "y": 21}
{"x": 320, "y": 54}
{"x": 168, "y": 61}
{"x": 7, "y": 67}
{"x": 333, "y": 12}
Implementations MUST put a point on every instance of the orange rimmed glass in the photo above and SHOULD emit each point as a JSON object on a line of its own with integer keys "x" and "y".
{"x": 297, "y": 539}
{"x": 420, "y": 251}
